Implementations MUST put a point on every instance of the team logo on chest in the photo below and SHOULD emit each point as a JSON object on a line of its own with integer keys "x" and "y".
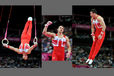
{"x": 59, "y": 41}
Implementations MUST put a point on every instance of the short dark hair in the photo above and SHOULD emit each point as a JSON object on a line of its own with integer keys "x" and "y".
{"x": 61, "y": 25}
{"x": 93, "y": 10}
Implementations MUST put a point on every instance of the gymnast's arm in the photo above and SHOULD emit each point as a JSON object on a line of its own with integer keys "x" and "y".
{"x": 31, "y": 48}
{"x": 11, "y": 48}
{"x": 92, "y": 27}
{"x": 92, "y": 30}
{"x": 48, "y": 34}
{"x": 69, "y": 48}
{"x": 102, "y": 23}
{"x": 68, "y": 45}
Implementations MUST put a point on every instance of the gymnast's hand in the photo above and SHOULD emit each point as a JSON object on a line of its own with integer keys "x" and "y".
{"x": 101, "y": 35}
{"x": 93, "y": 38}
{"x": 68, "y": 54}
{"x": 48, "y": 23}
{"x": 35, "y": 43}
{"x": 5, "y": 45}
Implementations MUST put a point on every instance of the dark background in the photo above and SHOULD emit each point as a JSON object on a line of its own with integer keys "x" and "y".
{"x": 19, "y": 16}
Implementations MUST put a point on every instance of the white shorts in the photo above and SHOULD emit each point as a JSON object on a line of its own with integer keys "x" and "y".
{"x": 23, "y": 48}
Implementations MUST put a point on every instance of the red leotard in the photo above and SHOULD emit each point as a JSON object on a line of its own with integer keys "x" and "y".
{"x": 58, "y": 48}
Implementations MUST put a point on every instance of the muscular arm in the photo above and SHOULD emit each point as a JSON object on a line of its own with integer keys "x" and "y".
{"x": 31, "y": 48}
{"x": 68, "y": 45}
{"x": 92, "y": 30}
{"x": 11, "y": 48}
{"x": 92, "y": 27}
{"x": 102, "y": 23}
{"x": 48, "y": 34}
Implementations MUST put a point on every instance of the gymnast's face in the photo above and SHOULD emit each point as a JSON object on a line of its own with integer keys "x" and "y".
{"x": 92, "y": 14}
{"x": 60, "y": 29}
{"x": 25, "y": 57}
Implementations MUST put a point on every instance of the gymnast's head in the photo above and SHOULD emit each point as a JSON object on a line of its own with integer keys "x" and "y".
{"x": 25, "y": 56}
{"x": 60, "y": 29}
{"x": 93, "y": 13}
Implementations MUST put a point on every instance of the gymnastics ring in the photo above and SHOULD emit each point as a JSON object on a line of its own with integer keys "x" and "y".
{"x": 35, "y": 40}
{"x": 5, "y": 39}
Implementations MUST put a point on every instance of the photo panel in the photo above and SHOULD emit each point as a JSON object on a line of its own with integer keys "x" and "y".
{"x": 93, "y": 36}
{"x": 56, "y": 38}
{"x": 21, "y": 27}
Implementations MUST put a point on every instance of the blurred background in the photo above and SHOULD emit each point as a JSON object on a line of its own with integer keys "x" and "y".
{"x": 82, "y": 40}
{"x": 19, "y": 15}
{"x": 57, "y": 20}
